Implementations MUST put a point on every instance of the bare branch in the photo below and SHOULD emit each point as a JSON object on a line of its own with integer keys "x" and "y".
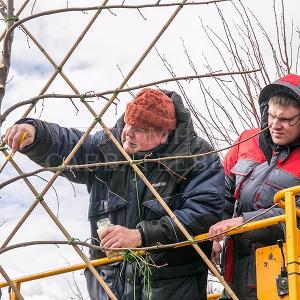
{"x": 34, "y": 100}
{"x": 5, "y": 61}
{"x": 122, "y": 162}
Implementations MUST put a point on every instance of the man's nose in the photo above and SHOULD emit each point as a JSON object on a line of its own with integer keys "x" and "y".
{"x": 276, "y": 123}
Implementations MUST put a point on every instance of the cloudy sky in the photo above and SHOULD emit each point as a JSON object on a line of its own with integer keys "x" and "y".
{"x": 111, "y": 47}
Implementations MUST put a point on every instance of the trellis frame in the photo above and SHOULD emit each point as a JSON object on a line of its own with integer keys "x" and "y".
{"x": 97, "y": 119}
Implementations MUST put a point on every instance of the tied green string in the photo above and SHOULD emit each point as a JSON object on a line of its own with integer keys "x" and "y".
{"x": 3, "y": 148}
{"x": 134, "y": 296}
{"x": 147, "y": 274}
{"x": 62, "y": 166}
{"x": 12, "y": 18}
{"x": 58, "y": 69}
{"x": 142, "y": 265}
{"x": 82, "y": 98}
{"x": 137, "y": 194}
{"x": 191, "y": 241}
{"x": 40, "y": 198}
{"x": 116, "y": 93}
{"x": 72, "y": 240}
{"x": 127, "y": 256}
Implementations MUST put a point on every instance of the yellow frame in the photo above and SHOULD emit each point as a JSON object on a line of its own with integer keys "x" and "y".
{"x": 285, "y": 199}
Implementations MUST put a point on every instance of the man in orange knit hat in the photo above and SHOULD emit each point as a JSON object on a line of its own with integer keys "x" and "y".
{"x": 153, "y": 114}
{"x": 156, "y": 124}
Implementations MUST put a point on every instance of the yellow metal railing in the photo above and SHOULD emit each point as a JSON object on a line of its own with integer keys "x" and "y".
{"x": 213, "y": 296}
{"x": 285, "y": 199}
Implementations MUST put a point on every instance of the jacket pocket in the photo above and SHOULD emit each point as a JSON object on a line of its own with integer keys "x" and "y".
{"x": 280, "y": 179}
{"x": 242, "y": 169}
{"x": 277, "y": 180}
{"x": 113, "y": 208}
{"x": 154, "y": 210}
{"x": 251, "y": 272}
{"x": 101, "y": 208}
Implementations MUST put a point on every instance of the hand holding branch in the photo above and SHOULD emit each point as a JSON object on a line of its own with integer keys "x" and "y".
{"x": 120, "y": 237}
{"x": 19, "y": 136}
{"x": 216, "y": 230}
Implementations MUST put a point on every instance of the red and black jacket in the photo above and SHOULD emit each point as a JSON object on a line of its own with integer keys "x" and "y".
{"x": 256, "y": 169}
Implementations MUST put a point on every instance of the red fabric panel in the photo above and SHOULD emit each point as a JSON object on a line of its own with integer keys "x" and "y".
{"x": 292, "y": 163}
{"x": 247, "y": 150}
{"x": 228, "y": 268}
{"x": 292, "y": 79}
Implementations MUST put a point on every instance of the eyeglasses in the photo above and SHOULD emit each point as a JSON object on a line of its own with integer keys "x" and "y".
{"x": 285, "y": 121}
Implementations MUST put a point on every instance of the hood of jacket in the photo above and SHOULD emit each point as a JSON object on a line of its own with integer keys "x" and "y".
{"x": 290, "y": 85}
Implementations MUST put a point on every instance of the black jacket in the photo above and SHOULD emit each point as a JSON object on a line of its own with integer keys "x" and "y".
{"x": 193, "y": 188}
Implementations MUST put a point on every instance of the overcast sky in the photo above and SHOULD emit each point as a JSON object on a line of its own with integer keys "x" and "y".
{"x": 115, "y": 42}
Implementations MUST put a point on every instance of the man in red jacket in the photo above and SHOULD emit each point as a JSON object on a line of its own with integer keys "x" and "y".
{"x": 255, "y": 170}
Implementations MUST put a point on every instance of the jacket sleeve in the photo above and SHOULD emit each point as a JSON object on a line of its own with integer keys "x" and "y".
{"x": 229, "y": 198}
{"x": 230, "y": 160}
{"x": 203, "y": 203}
{"x": 269, "y": 234}
{"x": 52, "y": 144}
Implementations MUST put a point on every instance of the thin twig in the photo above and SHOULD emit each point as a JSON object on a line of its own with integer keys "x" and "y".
{"x": 34, "y": 100}
{"x": 124, "y": 162}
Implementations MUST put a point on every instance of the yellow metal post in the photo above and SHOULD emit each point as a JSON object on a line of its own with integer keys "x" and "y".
{"x": 284, "y": 198}
{"x": 213, "y": 296}
{"x": 109, "y": 260}
{"x": 268, "y": 265}
{"x": 293, "y": 264}
{"x": 12, "y": 294}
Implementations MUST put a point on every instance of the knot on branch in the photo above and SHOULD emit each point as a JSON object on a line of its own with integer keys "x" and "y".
{"x": 11, "y": 18}
{"x": 58, "y": 69}
{"x": 97, "y": 119}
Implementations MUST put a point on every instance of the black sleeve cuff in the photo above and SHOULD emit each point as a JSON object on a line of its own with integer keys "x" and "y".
{"x": 142, "y": 236}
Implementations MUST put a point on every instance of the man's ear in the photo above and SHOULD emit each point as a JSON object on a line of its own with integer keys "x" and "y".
{"x": 164, "y": 136}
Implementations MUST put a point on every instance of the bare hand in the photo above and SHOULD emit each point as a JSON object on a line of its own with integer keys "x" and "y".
{"x": 14, "y": 134}
{"x": 216, "y": 252}
{"x": 120, "y": 237}
{"x": 221, "y": 227}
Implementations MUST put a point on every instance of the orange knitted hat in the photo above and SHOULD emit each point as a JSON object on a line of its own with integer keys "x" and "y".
{"x": 151, "y": 108}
